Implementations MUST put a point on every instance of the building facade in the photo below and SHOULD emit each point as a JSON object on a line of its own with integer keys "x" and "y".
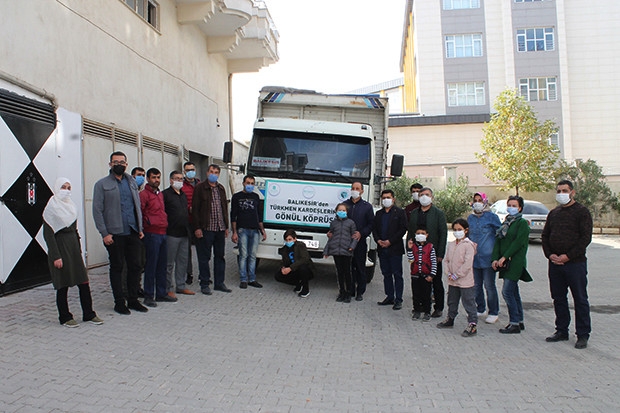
{"x": 458, "y": 55}
{"x": 79, "y": 80}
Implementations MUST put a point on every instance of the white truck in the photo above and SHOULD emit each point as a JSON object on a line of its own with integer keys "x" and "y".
{"x": 306, "y": 150}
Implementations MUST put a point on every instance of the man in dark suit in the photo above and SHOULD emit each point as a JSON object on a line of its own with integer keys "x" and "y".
{"x": 389, "y": 228}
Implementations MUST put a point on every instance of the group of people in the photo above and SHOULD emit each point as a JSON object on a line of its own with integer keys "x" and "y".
{"x": 146, "y": 229}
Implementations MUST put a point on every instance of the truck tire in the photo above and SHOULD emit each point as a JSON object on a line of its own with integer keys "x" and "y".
{"x": 370, "y": 271}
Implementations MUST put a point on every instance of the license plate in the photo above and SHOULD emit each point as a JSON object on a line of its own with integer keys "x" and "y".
{"x": 310, "y": 243}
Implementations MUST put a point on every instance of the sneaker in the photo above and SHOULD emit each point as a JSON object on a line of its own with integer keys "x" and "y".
{"x": 255, "y": 284}
{"x": 397, "y": 305}
{"x": 71, "y": 323}
{"x": 416, "y": 315}
{"x": 96, "y": 321}
{"x": 471, "y": 330}
{"x": 135, "y": 305}
{"x": 481, "y": 314}
{"x": 437, "y": 314}
{"x": 427, "y": 317}
{"x": 149, "y": 302}
{"x": 297, "y": 289}
{"x": 304, "y": 294}
{"x": 447, "y": 323}
{"x": 167, "y": 299}
{"x": 243, "y": 285}
{"x": 582, "y": 342}
{"x": 491, "y": 319}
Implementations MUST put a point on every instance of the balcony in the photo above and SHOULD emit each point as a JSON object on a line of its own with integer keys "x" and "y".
{"x": 241, "y": 30}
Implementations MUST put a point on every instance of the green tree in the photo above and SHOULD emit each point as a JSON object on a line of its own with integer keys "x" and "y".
{"x": 591, "y": 189}
{"x": 401, "y": 190}
{"x": 454, "y": 200}
{"x": 515, "y": 149}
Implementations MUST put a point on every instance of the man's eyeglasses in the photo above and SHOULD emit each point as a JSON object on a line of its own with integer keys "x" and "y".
{"x": 123, "y": 163}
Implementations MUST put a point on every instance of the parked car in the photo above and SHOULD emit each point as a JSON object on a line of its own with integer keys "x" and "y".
{"x": 534, "y": 212}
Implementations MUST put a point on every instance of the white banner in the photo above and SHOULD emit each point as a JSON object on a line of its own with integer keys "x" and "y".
{"x": 302, "y": 203}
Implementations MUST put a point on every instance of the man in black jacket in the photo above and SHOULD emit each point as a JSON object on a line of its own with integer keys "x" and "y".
{"x": 389, "y": 228}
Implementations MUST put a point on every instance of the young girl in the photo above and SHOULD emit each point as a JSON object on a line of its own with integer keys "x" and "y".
{"x": 459, "y": 261}
{"x": 341, "y": 245}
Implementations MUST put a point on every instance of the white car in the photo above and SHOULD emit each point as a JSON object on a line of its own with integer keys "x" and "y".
{"x": 534, "y": 212}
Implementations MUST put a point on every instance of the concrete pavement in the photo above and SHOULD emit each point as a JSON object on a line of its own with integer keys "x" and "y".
{"x": 267, "y": 350}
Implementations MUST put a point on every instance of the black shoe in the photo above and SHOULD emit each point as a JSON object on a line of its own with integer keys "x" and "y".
{"x": 189, "y": 280}
{"x": 149, "y": 302}
{"x": 340, "y": 298}
{"x": 582, "y": 342}
{"x": 121, "y": 308}
{"x": 255, "y": 284}
{"x": 206, "y": 290}
{"x": 522, "y": 326}
{"x": 304, "y": 293}
{"x": 387, "y": 301}
{"x": 416, "y": 315}
{"x": 347, "y": 299}
{"x": 437, "y": 314}
{"x": 511, "y": 329}
{"x": 359, "y": 297}
{"x": 243, "y": 285}
{"x": 167, "y": 299}
{"x": 297, "y": 289}
{"x": 557, "y": 336}
{"x": 397, "y": 305}
{"x": 135, "y": 305}
{"x": 447, "y": 323}
{"x": 222, "y": 288}
{"x": 140, "y": 293}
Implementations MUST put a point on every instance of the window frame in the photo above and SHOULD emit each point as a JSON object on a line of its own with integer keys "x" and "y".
{"x": 460, "y": 4}
{"x": 455, "y": 95}
{"x": 554, "y": 140}
{"x": 452, "y": 39}
{"x": 530, "y": 35}
{"x": 550, "y": 88}
{"x": 148, "y": 10}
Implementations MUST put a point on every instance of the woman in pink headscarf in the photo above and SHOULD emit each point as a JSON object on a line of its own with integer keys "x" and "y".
{"x": 64, "y": 254}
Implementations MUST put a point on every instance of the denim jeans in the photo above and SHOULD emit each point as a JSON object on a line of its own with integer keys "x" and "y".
{"x": 215, "y": 240}
{"x": 155, "y": 284}
{"x": 510, "y": 292}
{"x": 392, "y": 270}
{"x": 571, "y": 275}
{"x": 485, "y": 277}
{"x": 248, "y": 244}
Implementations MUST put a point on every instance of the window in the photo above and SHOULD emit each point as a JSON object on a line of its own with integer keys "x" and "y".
{"x": 466, "y": 94}
{"x": 554, "y": 140}
{"x": 461, "y": 4}
{"x": 147, "y": 9}
{"x": 464, "y": 45}
{"x": 533, "y": 40}
{"x": 538, "y": 88}
{"x": 526, "y": 1}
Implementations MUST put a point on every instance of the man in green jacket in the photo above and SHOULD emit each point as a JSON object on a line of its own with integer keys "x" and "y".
{"x": 434, "y": 220}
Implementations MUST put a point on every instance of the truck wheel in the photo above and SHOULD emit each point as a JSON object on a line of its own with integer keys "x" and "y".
{"x": 370, "y": 271}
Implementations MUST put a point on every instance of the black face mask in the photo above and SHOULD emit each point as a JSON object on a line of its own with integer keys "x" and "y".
{"x": 118, "y": 169}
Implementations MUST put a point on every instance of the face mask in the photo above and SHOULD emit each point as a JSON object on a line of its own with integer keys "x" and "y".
{"x": 512, "y": 210}
{"x": 64, "y": 194}
{"x": 341, "y": 214}
{"x": 478, "y": 206}
{"x": 387, "y": 202}
{"x": 177, "y": 185}
{"x": 118, "y": 169}
{"x": 190, "y": 174}
{"x": 425, "y": 200}
{"x": 212, "y": 178}
{"x": 420, "y": 237}
{"x": 562, "y": 199}
{"x": 355, "y": 194}
{"x": 415, "y": 196}
{"x": 140, "y": 180}
{"x": 289, "y": 243}
{"x": 249, "y": 188}
{"x": 459, "y": 234}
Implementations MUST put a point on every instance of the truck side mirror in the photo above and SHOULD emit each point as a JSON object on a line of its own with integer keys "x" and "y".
{"x": 396, "y": 168}
{"x": 228, "y": 151}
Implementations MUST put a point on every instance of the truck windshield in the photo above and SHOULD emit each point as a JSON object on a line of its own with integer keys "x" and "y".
{"x": 285, "y": 154}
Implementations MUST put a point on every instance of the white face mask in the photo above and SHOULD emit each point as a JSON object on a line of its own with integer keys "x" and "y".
{"x": 355, "y": 194}
{"x": 420, "y": 237}
{"x": 425, "y": 200}
{"x": 177, "y": 185}
{"x": 64, "y": 194}
{"x": 562, "y": 199}
{"x": 459, "y": 234}
{"x": 387, "y": 202}
{"x": 415, "y": 196}
{"x": 478, "y": 206}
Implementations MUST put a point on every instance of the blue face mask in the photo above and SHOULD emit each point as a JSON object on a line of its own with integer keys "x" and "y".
{"x": 341, "y": 214}
{"x": 289, "y": 243}
{"x": 249, "y": 188}
{"x": 191, "y": 174}
{"x": 212, "y": 178}
{"x": 139, "y": 180}
{"x": 512, "y": 210}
